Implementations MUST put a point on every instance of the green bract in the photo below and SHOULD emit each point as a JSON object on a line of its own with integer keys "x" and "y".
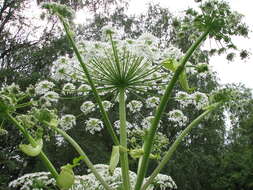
{"x": 114, "y": 159}
{"x": 31, "y": 150}
{"x": 66, "y": 178}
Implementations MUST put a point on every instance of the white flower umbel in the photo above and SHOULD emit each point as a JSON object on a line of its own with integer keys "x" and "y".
{"x": 67, "y": 121}
{"x": 164, "y": 182}
{"x": 200, "y": 100}
{"x": 135, "y": 106}
{"x": 59, "y": 140}
{"x": 89, "y": 181}
{"x": 146, "y": 122}
{"x": 184, "y": 99}
{"x": 107, "y": 105}
{"x": 152, "y": 102}
{"x": 137, "y": 68}
{"x": 116, "y": 124}
{"x": 63, "y": 68}
{"x": 94, "y": 125}
{"x": 172, "y": 53}
{"x": 68, "y": 88}
{"x": 178, "y": 117}
{"x": 83, "y": 89}
{"x": 43, "y": 87}
{"x": 13, "y": 88}
{"x": 87, "y": 107}
{"x": 149, "y": 39}
{"x": 51, "y": 96}
{"x": 107, "y": 30}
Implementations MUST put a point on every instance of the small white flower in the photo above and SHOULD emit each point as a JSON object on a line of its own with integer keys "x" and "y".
{"x": 107, "y": 30}
{"x": 172, "y": 53}
{"x": 178, "y": 117}
{"x": 51, "y": 96}
{"x": 134, "y": 106}
{"x": 87, "y": 107}
{"x": 116, "y": 124}
{"x": 107, "y": 105}
{"x": 184, "y": 98}
{"x": 147, "y": 122}
{"x": 83, "y": 89}
{"x": 200, "y": 100}
{"x": 148, "y": 39}
{"x": 43, "y": 87}
{"x": 152, "y": 102}
{"x": 68, "y": 88}
{"x": 94, "y": 125}
{"x": 67, "y": 121}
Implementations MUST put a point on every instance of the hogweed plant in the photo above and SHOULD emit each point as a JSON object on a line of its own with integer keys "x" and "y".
{"x": 114, "y": 71}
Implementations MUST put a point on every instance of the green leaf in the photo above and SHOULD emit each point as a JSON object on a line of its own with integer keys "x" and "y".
{"x": 77, "y": 160}
{"x": 114, "y": 159}
{"x": 54, "y": 122}
{"x": 169, "y": 64}
{"x": 172, "y": 64}
{"x": 30, "y": 150}
{"x": 184, "y": 82}
{"x": 66, "y": 177}
{"x": 136, "y": 153}
{"x": 212, "y": 106}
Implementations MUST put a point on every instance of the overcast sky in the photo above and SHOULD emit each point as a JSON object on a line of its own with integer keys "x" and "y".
{"x": 237, "y": 71}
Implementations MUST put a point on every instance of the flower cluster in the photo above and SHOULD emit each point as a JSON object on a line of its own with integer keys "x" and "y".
{"x": 152, "y": 102}
{"x": 68, "y": 88}
{"x": 87, "y": 107}
{"x": 135, "y": 106}
{"x": 94, "y": 125}
{"x": 43, "y": 87}
{"x": 198, "y": 99}
{"x": 178, "y": 117}
{"x": 67, "y": 121}
{"x": 89, "y": 181}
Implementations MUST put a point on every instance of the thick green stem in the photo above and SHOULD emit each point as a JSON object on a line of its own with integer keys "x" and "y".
{"x": 174, "y": 146}
{"x": 152, "y": 130}
{"x": 85, "y": 70}
{"x": 85, "y": 158}
{"x": 31, "y": 140}
{"x": 123, "y": 141}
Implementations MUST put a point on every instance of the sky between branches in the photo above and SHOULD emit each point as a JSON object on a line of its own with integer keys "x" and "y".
{"x": 237, "y": 71}
{"x": 228, "y": 72}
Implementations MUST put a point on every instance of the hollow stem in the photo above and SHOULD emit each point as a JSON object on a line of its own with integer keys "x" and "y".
{"x": 152, "y": 130}
{"x": 123, "y": 141}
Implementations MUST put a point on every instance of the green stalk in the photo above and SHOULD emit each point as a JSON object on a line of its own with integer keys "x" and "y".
{"x": 85, "y": 70}
{"x": 123, "y": 141}
{"x": 174, "y": 146}
{"x": 115, "y": 53}
{"x": 152, "y": 130}
{"x": 42, "y": 155}
{"x": 85, "y": 158}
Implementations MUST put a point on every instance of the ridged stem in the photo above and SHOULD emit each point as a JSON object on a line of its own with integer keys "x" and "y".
{"x": 152, "y": 130}
{"x": 123, "y": 140}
